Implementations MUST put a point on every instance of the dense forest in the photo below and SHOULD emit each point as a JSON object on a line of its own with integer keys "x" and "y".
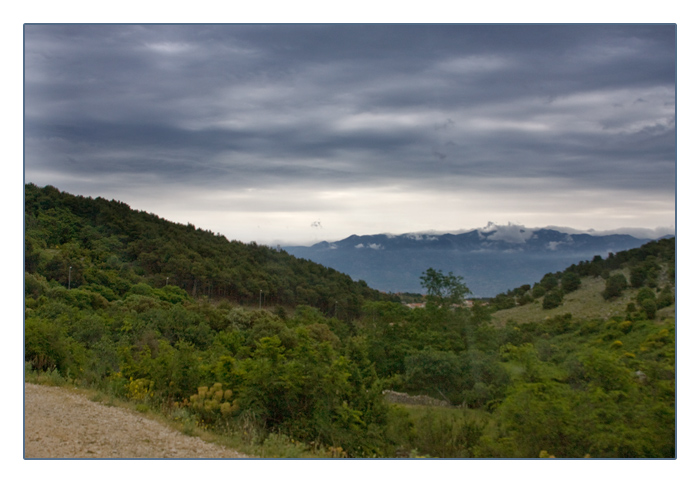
{"x": 247, "y": 340}
{"x": 106, "y": 246}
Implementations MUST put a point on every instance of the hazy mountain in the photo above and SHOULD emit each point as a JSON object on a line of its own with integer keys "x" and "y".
{"x": 491, "y": 260}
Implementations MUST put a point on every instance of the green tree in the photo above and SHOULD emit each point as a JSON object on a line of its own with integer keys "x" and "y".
{"x": 665, "y": 298}
{"x": 638, "y": 276}
{"x": 538, "y": 290}
{"x": 549, "y": 282}
{"x": 649, "y": 308}
{"x": 536, "y": 417}
{"x": 444, "y": 290}
{"x": 502, "y": 302}
{"x": 570, "y": 281}
{"x": 443, "y": 375}
{"x": 645, "y": 293}
{"x": 552, "y": 300}
{"x": 614, "y": 286}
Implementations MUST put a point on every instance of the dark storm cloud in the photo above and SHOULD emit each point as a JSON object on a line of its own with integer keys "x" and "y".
{"x": 425, "y": 106}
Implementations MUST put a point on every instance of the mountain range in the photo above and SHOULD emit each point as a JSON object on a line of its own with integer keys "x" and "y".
{"x": 491, "y": 260}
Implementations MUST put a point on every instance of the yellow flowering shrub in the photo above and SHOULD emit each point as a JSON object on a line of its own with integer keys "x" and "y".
{"x": 212, "y": 402}
{"x": 139, "y": 389}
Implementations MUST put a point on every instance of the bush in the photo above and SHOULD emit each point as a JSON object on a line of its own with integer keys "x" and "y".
{"x": 570, "y": 281}
{"x": 538, "y": 291}
{"x": 502, "y": 302}
{"x": 446, "y": 434}
{"x": 614, "y": 286}
{"x": 34, "y": 284}
{"x": 638, "y": 276}
{"x": 437, "y": 373}
{"x": 549, "y": 282}
{"x": 552, "y": 300}
{"x": 649, "y": 308}
{"x": 45, "y": 345}
{"x": 665, "y": 298}
{"x": 211, "y": 403}
{"x": 645, "y": 293}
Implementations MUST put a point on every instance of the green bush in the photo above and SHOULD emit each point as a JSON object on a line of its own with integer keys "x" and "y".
{"x": 665, "y": 298}
{"x": 570, "y": 282}
{"x": 552, "y": 300}
{"x": 446, "y": 434}
{"x": 614, "y": 286}
{"x": 442, "y": 375}
{"x": 538, "y": 290}
{"x": 46, "y": 345}
{"x": 645, "y": 293}
{"x": 648, "y": 307}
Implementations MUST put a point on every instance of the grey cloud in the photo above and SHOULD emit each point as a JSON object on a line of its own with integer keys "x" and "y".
{"x": 423, "y": 106}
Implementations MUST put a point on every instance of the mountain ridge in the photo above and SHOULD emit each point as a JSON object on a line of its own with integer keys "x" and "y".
{"x": 490, "y": 260}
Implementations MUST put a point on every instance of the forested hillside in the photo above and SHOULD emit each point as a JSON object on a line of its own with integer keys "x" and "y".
{"x": 168, "y": 316}
{"x": 110, "y": 247}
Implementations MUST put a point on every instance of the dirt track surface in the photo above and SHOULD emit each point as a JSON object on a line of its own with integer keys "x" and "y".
{"x": 62, "y": 424}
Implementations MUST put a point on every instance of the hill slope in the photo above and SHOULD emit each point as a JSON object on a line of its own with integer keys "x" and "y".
{"x": 103, "y": 243}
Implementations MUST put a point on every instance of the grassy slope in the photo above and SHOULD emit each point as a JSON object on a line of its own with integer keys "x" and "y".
{"x": 585, "y": 303}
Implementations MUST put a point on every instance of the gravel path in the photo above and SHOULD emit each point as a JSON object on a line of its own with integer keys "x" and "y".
{"x": 59, "y": 423}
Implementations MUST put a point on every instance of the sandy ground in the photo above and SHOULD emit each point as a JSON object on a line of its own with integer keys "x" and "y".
{"x": 59, "y": 423}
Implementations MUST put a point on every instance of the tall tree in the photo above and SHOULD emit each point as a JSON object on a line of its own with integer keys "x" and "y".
{"x": 443, "y": 290}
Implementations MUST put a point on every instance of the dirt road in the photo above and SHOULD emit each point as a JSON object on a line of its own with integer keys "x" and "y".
{"x": 60, "y": 423}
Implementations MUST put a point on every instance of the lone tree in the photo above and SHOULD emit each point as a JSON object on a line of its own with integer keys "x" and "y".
{"x": 443, "y": 290}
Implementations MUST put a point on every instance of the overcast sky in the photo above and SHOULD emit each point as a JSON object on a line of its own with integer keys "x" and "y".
{"x": 292, "y": 134}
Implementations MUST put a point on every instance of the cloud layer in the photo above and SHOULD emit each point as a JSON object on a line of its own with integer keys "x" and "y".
{"x": 303, "y": 132}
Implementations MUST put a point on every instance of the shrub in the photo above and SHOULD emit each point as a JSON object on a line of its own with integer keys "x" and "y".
{"x": 614, "y": 286}
{"x": 649, "y": 308}
{"x": 45, "y": 345}
{"x": 211, "y": 403}
{"x": 645, "y": 293}
{"x": 446, "y": 434}
{"x": 549, "y": 282}
{"x": 570, "y": 281}
{"x": 552, "y": 300}
{"x": 141, "y": 289}
{"x": 139, "y": 389}
{"x": 34, "y": 284}
{"x": 665, "y": 298}
{"x": 437, "y": 373}
{"x": 538, "y": 291}
{"x": 626, "y": 326}
{"x": 502, "y": 302}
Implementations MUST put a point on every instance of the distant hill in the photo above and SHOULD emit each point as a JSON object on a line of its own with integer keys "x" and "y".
{"x": 491, "y": 260}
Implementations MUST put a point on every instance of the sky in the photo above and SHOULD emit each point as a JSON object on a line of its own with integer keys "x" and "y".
{"x": 296, "y": 133}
